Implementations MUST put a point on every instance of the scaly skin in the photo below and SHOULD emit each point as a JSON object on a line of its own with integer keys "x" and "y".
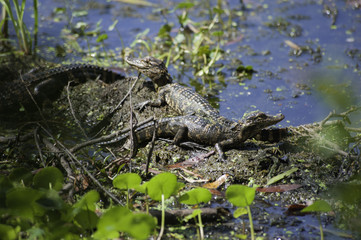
{"x": 203, "y": 130}
{"x": 182, "y": 99}
{"x": 48, "y": 84}
{"x": 185, "y": 101}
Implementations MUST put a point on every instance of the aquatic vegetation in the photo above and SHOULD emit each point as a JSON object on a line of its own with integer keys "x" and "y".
{"x": 25, "y": 39}
{"x": 242, "y": 197}
{"x": 121, "y": 220}
{"x": 127, "y": 181}
{"x": 319, "y": 206}
{"x": 195, "y": 197}
{"x": 206, "y": 50}
{"x": 34, "y": 208}
{"x": 161, "y": 187}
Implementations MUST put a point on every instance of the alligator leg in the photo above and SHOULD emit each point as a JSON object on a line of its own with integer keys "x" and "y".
{"x": 49, "y": 89}
{"x": 220, "y": 151}
{"x": 180, "y": 136}
{"x": 153, "y": 103}
{"x": 220, "y": 146}
{"x": 180, "y": 139}
{"x": 160, "y": 101}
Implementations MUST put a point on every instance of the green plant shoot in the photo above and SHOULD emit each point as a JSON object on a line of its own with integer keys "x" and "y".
{"x": 127, "y": 181}
{"x": 161, "y": 187}
{"x": 197, "y": 196}
{"x": 242, "y": 196}
{"x": 319, "y": 206}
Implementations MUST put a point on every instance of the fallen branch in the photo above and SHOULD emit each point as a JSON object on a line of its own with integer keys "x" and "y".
{"x": 107, "y": 137}
{"x": 16, "y": 138}
{"x": 75, "y": 159}
{"x": 150, "y": 153}
{"x": 73, "y": 112}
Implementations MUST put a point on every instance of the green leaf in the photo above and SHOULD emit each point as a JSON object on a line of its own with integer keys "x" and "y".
{"x": 112, "y": 222}
{"x": 88, "y": 201}
{"x": 218, "y": 10}
{"x": 281, "y": 176}
{"x": 81, "y": 25}
{"x": 184, "y": 5}
{"x": 87, "y": 219}
{"x": 111, "y": 27}
{"x": 140, "y": 225}
{"x": 21, "y": 201}
{"x": 245, "y": 69}
{"x": 102, "y": 37}
{"x": 241, "y": 236}
{"x": 5, "y": 186}
{"x": 204, "y": 50}
{"x": 192, "y": 215}
{"x": 120, "y": 219}
{"x": 21, "y": 175}
{"x": 180, "y": 185}
{"x": 49, "y": 177}
{"x": 127, "y": 181}
{"x": 240, "y": 196}
{"x": 79, "y": 13}
{"x": 164, "y": 30}
{"x": 142, "y": 188}
{"x": 318, "y": 206}
{"x": 196, "y": 196}
{"x": 7, "y": 232}
{"x": 239, "y": 212}
{"x": 138, "y": 2}
{"x": 218, "y": 33}
{"x": 179, "y": 38}
{"x": 163, "y": 183}
{"x": 51, "y": 200}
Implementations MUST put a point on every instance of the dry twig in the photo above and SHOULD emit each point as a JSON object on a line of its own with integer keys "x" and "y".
{"x": 151, "y": 146}
{"x": 73, "y": 112}
{"x": 74, "y": 158}
{"x": 106, "y": 138}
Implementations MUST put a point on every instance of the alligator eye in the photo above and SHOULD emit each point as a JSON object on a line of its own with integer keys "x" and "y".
{"x": 262, "y": 115}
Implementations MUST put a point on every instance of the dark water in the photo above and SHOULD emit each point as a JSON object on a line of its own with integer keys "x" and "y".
{"x": 255, "y": 43}
{"x": 304, "y": 88}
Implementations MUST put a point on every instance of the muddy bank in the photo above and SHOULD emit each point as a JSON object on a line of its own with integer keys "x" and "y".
{"x": 315, "y": 155}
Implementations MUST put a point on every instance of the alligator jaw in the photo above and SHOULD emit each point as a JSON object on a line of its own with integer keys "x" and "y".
{"x": 153, "y": 68}
{"x": 254, "y": 123}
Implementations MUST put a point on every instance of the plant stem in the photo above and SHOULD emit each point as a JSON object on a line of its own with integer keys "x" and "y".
{"x": 250, "y": 222}
{"x": 321, "y": 228}
{"x": 19, "y": 10}
{"x": 200, "y": 226}
{"x": 146, "y": 201}
{"x": 163, "y": 220}
{"x": 128, "y": 198}
{"x": 36, "y": 25}
{"x": 4, "y": 23}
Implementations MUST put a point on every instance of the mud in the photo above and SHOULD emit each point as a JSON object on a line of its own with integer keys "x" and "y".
{"x": 254, "y": 162}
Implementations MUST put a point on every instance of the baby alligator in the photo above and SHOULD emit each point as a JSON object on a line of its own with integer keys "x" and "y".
{"x": 186, "y": 101}
{"x": 182, "y": 99}
{"x": 48, "y": 84}
{"x": 202, "y": 130}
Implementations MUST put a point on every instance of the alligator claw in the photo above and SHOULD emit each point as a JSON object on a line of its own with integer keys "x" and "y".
{"x": 222, "y": 156}
{"x": 141, "y": 106}
{"x": 193, "y": 145}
